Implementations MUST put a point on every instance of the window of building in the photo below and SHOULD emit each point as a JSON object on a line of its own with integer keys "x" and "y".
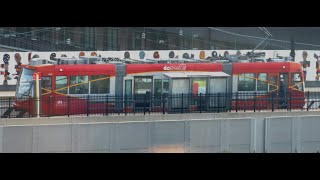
{"x": 111, "y": 36}
{"x": 247, "y": 82}
{"x": 100, "y": 84}
{"x": 90, "y": 38}
{"x": 262, "y": 84}
{"x": 79, "y": 85}
{"x": 137, "y": 40}
{"x": 62, "y": 84}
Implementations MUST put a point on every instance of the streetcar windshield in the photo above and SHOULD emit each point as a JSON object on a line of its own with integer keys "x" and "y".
{"x": 24, "y": 87}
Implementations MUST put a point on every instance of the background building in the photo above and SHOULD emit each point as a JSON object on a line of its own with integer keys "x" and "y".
{"x": 154, "y": 38}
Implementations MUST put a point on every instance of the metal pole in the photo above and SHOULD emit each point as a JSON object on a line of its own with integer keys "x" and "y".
{"x": 29, "y": 107}
{"x": 144, "y": 104}
{"x": 290, "y": 99}
{"x": 163, "y": 104}
{"x": 236, "y": 101}
{"x": 107, "y": 108}
{"x": 87, "y": 105}
{"x": 254, "y": 102}
{"x": 150, "y": 99}
{"x": 49, "y": 106}
{"x": 37, "y": 96}
{"x": 68, "y": 106}
{"x": 125, "y": 104}
{"x": 245, "y": 102}
{"x": 200, "y": 103}
{"x": 308, "y": 101}
{"x": 9, "y": 105}
{"x": 218, "y": 102}
{"x": 181, "y": 103}
{"x": 272, "y": 101}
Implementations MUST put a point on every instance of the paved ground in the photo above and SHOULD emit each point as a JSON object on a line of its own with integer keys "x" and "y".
{"x": 7, "y": 93}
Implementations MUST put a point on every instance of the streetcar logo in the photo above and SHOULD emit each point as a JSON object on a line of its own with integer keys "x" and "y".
{"x": 180, "y": 67}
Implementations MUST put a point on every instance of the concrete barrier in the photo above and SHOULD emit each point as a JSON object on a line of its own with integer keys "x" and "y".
{"x": 54, "y": 138}
{"x": 133, "y": 137}
{"x": 17, "y": 139}
{"x": 95, "y": 137}
{"x": 205, "y": 136}
{"x": 279, "y": 134}
{"x": 308, "y": 134}
{"x": 167, "y": 134}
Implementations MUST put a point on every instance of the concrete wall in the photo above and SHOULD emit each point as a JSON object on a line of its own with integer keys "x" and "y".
{"x": 167, "y": 134}
{"x": 293, "y": 134}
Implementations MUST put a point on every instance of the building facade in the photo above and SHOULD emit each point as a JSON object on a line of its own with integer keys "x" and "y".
{"x": 117, "y": 38}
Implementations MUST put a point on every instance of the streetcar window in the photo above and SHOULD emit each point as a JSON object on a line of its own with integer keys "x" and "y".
{"x": 46, "y": 86}
{"x": 296, "y": 81}
{"x": 142, "y": 85}
{"x": 128, "y": 87}
{"x": 273, "y": 83}
{"x": 62, "y": 84}
{"x": 100, "y": 84}
{"x": 25, "y": 83}
{"x": 165, "y": 86}
{"x": 247, "y": 82}
{"x": 157, "y": 86}
{"x": 79, "y": 85}
{"x": 296, "y": 77}
{"x": 262, "y": 84}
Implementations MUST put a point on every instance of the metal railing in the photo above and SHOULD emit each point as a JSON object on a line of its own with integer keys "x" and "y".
{"x": 88, "y": 105}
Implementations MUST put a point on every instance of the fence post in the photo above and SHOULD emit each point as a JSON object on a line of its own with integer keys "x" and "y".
{"x": 290, "y": 99}
{"x": 163, "y": 104}
{"x": 254, "y": 101}
{"x": 308, "y": 101}
{"x": 218, "y": 102}
{"x": 151, "y": 100}
{"x": 117, "y": 106}
{"x": 34, "y": 106}
{"x": 189, "y": 98}
{"x": 245, "y": 101}
{"x": 29, "y": 107}
{"x": 227, "y": 102}
{"x": 107, "y": 108}
{"x": 68, "y": 106}
{"x": 49, "y": 106}
{"x": 272, "y": 94}
{"x": 144, "y": 104}
{"x": 125, "y": 104}
{"x": 181, "y": 103}
{"x": 200, "y": 106}
{"x": 9, "y": 105}
{"x": 87, "y": 105}
{"x": 237, "y": 101}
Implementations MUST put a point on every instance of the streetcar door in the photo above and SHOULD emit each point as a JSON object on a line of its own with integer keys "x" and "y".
{"x": 143, "y": 89}
{"x": 46, "y": 95}
{"x": 283, "y": 89}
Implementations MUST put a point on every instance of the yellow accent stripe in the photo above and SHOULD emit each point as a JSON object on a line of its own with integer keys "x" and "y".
{"x": 81, "y": 84}
{"x": 269, "y": 83}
